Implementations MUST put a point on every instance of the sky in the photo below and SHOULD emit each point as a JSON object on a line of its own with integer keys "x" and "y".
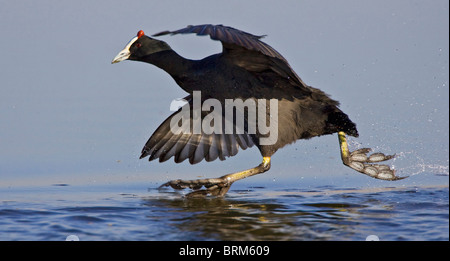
{"x": 68, "y": 115}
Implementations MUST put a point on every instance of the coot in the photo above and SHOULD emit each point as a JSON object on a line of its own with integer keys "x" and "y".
{"x": 270, "y": 107}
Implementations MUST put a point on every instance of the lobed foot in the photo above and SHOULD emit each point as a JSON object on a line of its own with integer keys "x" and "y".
{"x": 214, "y": 187}
{"x": 361, "y": 162}
{"x": 219, "y": 186}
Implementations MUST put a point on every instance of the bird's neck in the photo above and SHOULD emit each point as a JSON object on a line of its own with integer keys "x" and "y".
{"x": 174, "y": 64}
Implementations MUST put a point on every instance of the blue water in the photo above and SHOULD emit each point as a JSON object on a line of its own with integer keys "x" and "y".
{"x": 275, "y": 211}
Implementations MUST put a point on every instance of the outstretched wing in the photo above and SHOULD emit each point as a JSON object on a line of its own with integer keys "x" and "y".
{"x": 229, "y": 35}
{"x": 169, "y": 140}
{"x": 249, "y": 52}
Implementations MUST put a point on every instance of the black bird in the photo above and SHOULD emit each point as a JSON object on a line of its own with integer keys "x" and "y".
{"x": 250, "y": 70}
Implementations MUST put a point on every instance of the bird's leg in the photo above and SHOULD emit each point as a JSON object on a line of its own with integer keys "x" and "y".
{"x": 217, "y": 186}
{"x": 361, "y": 162}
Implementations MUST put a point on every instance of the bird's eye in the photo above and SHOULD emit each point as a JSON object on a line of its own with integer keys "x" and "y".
{"x": 138, "y": 45}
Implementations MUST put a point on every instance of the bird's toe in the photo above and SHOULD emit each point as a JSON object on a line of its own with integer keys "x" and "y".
{"x": 214, "y": 187}
{"x": 361, "y": 162}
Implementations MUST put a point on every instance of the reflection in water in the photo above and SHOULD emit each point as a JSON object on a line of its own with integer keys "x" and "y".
{"x": 256, "y": 215}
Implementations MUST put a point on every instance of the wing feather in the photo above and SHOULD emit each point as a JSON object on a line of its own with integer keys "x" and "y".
{"x": 165, "y": 143}
{"x": 249, "y": 52}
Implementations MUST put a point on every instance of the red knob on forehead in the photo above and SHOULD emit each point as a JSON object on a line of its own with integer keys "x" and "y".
{"x": 140, "y": 33}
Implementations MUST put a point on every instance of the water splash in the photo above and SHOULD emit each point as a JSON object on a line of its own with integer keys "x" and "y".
{"x": 419, "y": 166}
{"x": 407, "y": 163}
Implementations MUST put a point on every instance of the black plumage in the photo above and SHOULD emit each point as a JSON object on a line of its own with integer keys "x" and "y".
{"x": 247, "y": 68}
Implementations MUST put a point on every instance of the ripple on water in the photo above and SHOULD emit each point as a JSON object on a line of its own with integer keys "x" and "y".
{"x": 253, "y": 213}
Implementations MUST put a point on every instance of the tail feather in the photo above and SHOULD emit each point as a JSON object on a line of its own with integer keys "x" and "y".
{"x": 339, "y": 121}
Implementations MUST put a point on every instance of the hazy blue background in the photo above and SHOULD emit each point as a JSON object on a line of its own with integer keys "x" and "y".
{"x": 68, "y": 116}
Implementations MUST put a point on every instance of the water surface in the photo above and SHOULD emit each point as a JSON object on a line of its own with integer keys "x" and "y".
{"x": 275, "y": 212}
